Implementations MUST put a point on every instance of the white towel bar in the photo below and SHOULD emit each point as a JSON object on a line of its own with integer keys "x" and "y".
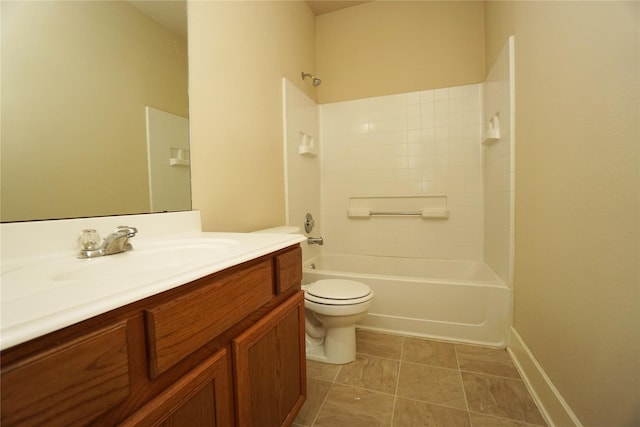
{"x": 424, "y": 213}
{"x": 399, "y": 213}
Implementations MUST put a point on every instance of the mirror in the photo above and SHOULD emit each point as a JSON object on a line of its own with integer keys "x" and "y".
{"x": 76, "y": 80}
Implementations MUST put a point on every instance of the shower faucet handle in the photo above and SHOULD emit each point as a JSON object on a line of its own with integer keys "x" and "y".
{"x": 309, "y": 223}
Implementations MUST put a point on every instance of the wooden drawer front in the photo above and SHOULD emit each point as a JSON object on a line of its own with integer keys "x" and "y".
{"x": 289, "y": 270}
{"x": 178, "y": 327}
{"x": 200, "y": 398}
{"x": 70, "y": 384}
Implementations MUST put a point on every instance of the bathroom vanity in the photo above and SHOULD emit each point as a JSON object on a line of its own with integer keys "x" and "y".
{"x": 224, "y": 349}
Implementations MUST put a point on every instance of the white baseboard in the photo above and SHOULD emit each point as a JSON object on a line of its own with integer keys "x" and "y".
{"x": 553, "y": 407}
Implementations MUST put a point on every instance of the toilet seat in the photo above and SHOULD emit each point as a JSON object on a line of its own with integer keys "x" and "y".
{"x": 338, "y": 292}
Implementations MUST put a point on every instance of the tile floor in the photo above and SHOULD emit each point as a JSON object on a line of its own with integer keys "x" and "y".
{"x": 409, "y": 382}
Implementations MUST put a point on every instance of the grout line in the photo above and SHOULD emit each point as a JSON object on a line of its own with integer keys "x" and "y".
{"x": 490, "y": 375}
{"x": 431, "y": 366}
{"x": 315, "y": 417}
{"x": 512, "y": 420}
{"x": 464, "y": 391}
{"x": 445, "y": 406}
{"x": 335, "y": 377}
{"x": 357, "y": 387}
{"x": 379, "y": 357}
{"x": 395, "y": 392}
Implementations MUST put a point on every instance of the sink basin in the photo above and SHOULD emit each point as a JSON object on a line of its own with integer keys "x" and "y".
{"x": 145, "y": 262}
{"x": 149, "y": 261}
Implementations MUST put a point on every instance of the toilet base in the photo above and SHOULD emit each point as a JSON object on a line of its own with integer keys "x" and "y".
{"x": 337, "y": 347}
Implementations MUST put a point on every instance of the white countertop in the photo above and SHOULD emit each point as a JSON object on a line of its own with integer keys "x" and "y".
{"x": 42, "y": 294}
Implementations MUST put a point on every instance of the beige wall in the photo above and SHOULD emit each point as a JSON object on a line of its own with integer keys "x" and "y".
{"x": 386, "y": 47}
{"x": 499, "y": 24}
{"x": 76, "y": 77}
{"x": 238, "y": 54}
{"x": 577, "y": 282}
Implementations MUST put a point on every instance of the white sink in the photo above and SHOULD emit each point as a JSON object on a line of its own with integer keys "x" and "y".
{"x": 146, "y": 262}
{"x": 160, "y": 260}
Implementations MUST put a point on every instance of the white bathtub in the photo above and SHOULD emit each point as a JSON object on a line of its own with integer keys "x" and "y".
{"x": 460, "y": 301}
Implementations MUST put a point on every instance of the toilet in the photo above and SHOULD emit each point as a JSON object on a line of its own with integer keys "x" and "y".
{"x": 332, "y": 309}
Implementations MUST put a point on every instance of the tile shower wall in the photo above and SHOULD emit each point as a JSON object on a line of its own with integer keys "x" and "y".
{"x": 302, "y": 172}
{"x": 418, "y": 143}
{"x": 498, "y": 166}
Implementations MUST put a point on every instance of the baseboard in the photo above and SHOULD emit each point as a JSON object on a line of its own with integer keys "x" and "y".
{"x": 553, "y": 407}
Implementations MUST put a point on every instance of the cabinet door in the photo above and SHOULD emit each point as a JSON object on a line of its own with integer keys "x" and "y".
{"x": 269, "y": 367}
{"x": 202, "y": 398}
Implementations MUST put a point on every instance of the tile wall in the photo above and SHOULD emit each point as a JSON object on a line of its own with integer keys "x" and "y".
{"x": 407, "y": 144}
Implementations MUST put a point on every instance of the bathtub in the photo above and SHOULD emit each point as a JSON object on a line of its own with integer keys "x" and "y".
{"x": 462, "y": 301}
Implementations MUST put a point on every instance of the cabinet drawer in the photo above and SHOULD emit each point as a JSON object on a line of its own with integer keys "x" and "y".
{"x": 178, "y": 327}
{"x": 288, "y": 270}
{"x": 70, "y": 384}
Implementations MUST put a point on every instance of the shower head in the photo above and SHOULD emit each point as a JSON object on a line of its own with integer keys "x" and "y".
{"x": 314, "y": 80}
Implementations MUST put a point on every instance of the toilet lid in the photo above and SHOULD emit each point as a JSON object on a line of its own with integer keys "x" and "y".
{"x": 338, "y": 291}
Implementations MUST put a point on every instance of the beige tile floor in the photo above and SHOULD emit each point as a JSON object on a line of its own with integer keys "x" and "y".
{"x": 410, "y": 382}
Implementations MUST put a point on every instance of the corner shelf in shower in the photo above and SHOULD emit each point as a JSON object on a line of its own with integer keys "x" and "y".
{"x": 307, "y": 145}
{"x": 492, "y": 132}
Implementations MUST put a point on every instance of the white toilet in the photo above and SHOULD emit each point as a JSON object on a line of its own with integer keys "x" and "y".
{"x": 332, "y": 309}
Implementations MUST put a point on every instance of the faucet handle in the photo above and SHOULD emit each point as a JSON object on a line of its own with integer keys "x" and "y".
{"x": 89, "y": 239}
{"x": 131, "y": 231}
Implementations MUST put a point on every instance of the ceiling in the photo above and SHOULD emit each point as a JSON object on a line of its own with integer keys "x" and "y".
{"x": 320, "y": 7}
{"x": 172, "y": 14}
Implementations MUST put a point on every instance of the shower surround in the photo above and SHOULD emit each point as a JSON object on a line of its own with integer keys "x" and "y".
{"x": 420, "y": 143}
{"x": 431, "y": 146}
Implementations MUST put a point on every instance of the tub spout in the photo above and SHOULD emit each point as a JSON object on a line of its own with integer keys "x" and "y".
{"x": 315, "y": 241}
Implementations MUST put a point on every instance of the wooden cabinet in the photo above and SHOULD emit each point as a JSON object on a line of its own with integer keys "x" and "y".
{"x": 269, "y": 370}
{"x": 224, "y": 350}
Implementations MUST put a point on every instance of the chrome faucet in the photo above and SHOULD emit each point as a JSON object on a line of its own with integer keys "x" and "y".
{"x": 315, "y": 241}
{"x": 114, "y": 243}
